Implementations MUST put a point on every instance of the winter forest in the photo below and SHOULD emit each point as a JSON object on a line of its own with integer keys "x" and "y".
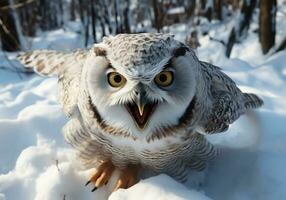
{"x": 246, "y": 38}
{"x": 22, "y": 20}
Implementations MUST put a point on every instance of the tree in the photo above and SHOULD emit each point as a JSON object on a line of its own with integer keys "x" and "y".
{"x": 241, "y": 26}
{"x": 267, "y": 29}
{"x": 190, "y": 8}
{"x": 206, "y": 8}
{"x": 218, "y": 9}
{"x": 158, "y": 11}
{"x": 126, "y": 13}
{"x": 8, "y": 32}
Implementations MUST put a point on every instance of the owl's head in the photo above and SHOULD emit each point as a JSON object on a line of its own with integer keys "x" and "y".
{"x": 141, "y": 82}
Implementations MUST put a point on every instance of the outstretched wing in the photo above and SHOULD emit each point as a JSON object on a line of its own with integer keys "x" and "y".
{"x": 66, "y": 66}
{"x": 50, "y": 62}
{"x": 228, "y": 101}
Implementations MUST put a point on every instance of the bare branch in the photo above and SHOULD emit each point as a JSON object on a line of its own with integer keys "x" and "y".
{"x": 18, "y": 5}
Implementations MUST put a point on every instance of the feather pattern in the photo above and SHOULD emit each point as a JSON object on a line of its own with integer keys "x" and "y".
{"x": 66, "y": 66}
{"x": 228, "y": 101}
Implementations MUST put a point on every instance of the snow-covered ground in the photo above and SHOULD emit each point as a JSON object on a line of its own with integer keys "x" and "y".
{"x": 35, "y": 162}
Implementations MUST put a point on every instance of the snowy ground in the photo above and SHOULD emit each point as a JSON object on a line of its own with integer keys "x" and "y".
{"x": 35, "y": 162}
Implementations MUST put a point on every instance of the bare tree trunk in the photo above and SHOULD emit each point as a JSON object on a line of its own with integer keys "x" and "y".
{"x": 230, "y": 42}
{"x": 158, "y": 14}
{"x": 267, "y": 24}
{"x": 155, "y": 9}
{"x": 218, "y": 9}
{"x": 241, "y": 26}
{"x": 61, "y": 9}
{"x": 209, "y": 12}
{"x": 191, "y": 8}
{"x": 72, "y": 10}
{"x": 93, "y": 20}
{"x": 81, "y": 14}
{"x": 206, "y": 9}
{"x": 28, "y": 18}
{"x": 86, "y": 23}
{"x": 22, "y": 39}
{"x": 126, "y": 17}
{"x": 102, "y": 28}
{"x": 246, "y": 11}
{"x": 117, "y": 29}
{"x": 8, "y": 33}
{"x": 106, "y": 16}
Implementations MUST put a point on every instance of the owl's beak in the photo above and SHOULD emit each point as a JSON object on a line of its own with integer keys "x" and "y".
{"x": 141, "y": 110}
{"x": 140, "y": 102}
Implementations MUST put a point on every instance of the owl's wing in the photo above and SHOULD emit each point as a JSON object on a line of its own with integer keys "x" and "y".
{"x": 227, "y": 99}
{"x": 66, "y": 66}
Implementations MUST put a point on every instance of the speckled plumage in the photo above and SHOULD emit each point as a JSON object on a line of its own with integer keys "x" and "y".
{"x": 201, "y": 99}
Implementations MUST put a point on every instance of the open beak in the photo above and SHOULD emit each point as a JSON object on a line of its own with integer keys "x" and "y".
{"x": 141, "y": 110}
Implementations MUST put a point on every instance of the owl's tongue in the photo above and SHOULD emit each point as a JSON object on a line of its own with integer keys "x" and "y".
{"x": 142, "y": 116}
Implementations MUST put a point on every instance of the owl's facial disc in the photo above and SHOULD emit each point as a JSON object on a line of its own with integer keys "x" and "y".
{"x": 141, "y": 110}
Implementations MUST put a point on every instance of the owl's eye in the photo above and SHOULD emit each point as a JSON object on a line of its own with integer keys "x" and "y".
{"x": 115, "y": 79}
{"x": 165, "y": 78}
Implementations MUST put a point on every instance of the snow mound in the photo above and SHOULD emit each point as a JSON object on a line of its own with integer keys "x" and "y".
{"x": 160, "y": 187}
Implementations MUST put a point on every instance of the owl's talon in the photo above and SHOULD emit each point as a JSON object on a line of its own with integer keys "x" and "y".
{"x": 127, "y": 178}
{"x": 88, "y": 182}
{"x": 102, "y": 175}
{"x": 95, "y": 188}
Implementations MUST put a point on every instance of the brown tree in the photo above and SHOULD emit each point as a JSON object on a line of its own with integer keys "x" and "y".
{"x": 218, "y": 9}
{"x": 267, "y": 24}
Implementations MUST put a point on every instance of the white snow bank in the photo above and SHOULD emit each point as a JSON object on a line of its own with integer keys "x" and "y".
{"x": 161, "y": 187}
{"x": 45, "y": 172}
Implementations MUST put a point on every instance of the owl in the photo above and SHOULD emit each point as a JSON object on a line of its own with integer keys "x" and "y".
{"x": 139, "y": 101}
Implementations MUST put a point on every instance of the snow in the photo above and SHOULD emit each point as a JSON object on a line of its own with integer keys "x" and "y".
{"x": 177, "y": 10}
{"x": 160, "y": 187}
{"x": 36, "y": 163}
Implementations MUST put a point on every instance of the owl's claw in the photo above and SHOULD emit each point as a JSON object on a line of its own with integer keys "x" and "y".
{"x": 93, "y": 189}
{"x": 127, "y": 178}
{"x": 102, "y": 175}
{"x": 88, "y": 182}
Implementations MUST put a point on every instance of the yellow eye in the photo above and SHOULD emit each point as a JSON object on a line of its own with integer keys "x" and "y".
{"x": 115, "y": 79}
{"x": 165, "y": 78}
